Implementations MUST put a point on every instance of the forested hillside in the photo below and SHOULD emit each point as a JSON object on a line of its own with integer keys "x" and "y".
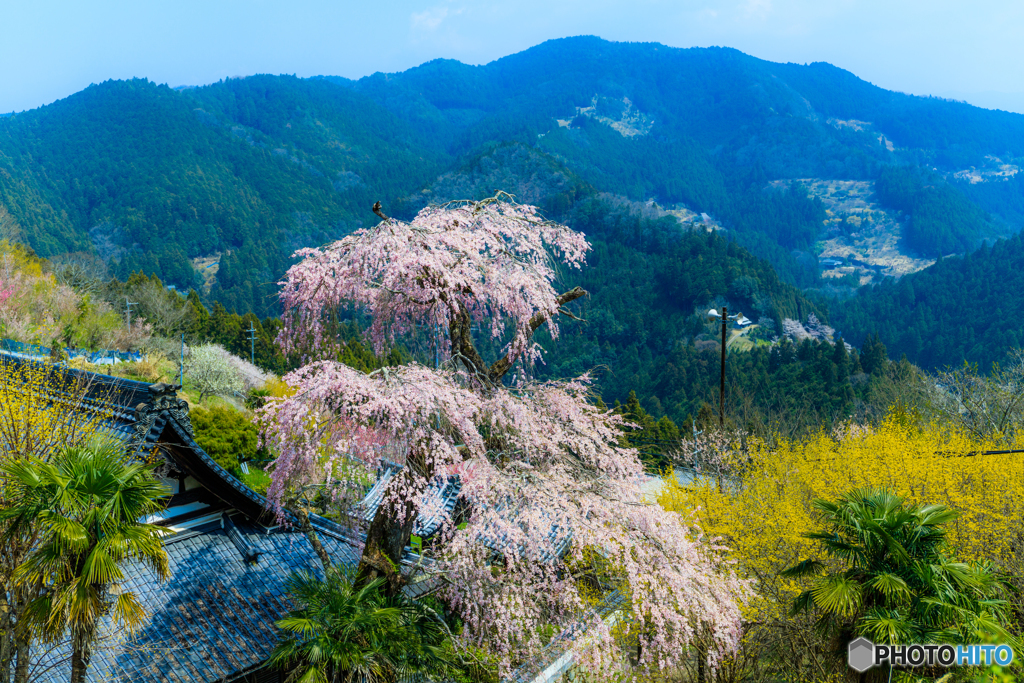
{"x": 962, "y": 308}
{"x": 147, "y": 178}
{"x": 629, "y": 143}
{"x": 941, "y": 218}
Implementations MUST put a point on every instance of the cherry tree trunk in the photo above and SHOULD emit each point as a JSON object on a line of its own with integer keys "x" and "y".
{"x": 6, "y": 639}
{"x": 314, "y": 539}
{"x": 386, "y": 539}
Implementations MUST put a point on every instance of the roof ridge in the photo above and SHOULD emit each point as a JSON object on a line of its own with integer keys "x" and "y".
{"x": 123, "y": 385}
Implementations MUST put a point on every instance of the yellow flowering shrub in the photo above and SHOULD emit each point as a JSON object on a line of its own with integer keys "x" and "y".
{"x": 762, "y": 513}
{"x": 39, "y": 410}
{"x": 278, "y": 388}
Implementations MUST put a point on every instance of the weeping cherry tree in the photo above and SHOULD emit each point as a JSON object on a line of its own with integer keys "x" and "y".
{"x": 539, "y": 462}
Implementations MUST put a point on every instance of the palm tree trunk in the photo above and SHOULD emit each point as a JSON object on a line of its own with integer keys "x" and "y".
{"x": 76, "y": 667}
{"x": 23, "y": 650}
{"x": 81, "y": 643}
{"x": 82, "y": 635}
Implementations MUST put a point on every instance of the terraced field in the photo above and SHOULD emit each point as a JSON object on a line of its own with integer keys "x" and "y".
{"x": 859, "y": 233}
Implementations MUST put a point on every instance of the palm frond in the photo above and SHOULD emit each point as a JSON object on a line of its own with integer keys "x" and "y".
{"x": 805, "y": 568}
{"x": 887, "y": 626}
{"x": 837, "y": 595}
{"x": 129, "y": 612}
{"x": 891, "y": 586}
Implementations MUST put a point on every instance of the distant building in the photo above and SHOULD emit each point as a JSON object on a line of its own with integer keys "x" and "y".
{"x": 830, "y": 263}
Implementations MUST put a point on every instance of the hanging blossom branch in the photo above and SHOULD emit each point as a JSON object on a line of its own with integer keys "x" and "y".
{"x": 340, "y": 413}
{"x": 488, "y": 261}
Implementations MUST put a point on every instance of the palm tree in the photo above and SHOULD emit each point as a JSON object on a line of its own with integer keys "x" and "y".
{"x": 89, "y": 501}
{"x": 340, "y": 633}
{"x": 889, "y": 578}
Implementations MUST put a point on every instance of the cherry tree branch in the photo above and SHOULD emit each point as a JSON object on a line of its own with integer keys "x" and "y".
{"x": 503, "y": 364}
{"x": 460, "y": 333}
{"x": 463, "y": 348}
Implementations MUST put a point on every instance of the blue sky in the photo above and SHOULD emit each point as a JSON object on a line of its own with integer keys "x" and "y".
{"x": 50, "y": 49}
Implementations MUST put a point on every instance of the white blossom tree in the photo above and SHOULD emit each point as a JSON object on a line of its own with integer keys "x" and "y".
{"x": 208, "y": 370}
{"x": 539, "y": 462}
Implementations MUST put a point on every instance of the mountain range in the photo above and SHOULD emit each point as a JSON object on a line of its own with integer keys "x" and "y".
{"x": 701, "y": 175}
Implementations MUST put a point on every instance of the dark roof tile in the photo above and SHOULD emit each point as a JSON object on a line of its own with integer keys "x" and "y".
{"x": 215, "y": 615}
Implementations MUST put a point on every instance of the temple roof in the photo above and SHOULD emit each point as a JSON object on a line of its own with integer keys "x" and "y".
{"x": 213, "y": 619}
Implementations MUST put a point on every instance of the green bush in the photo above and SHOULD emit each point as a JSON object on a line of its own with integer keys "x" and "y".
{"x": 257, "y": 480}
{"x": 227, "y": 435}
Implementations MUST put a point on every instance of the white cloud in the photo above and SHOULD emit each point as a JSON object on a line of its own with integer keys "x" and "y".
{"x": 757, "y": 9}
{"x": 430, "y": 19}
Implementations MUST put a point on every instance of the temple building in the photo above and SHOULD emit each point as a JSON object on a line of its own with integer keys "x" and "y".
{"x": 213, "y": 620}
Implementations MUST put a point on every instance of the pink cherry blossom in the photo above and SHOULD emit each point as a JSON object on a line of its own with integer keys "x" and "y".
{"x": 494, "y": 258}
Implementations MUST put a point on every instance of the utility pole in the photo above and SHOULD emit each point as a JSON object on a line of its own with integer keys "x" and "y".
{"x": 181, "y": 364}
{"x": 128, "y": 307}
{"x": 724, "y": 317}
{"x": 252, "y": 343}
{"x": 721, "y": 394}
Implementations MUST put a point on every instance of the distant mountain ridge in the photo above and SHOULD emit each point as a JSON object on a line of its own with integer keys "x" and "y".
{"x": 151, "y": 178}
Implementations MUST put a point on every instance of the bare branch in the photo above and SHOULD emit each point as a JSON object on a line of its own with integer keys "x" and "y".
{"x": 501, "y": 366}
